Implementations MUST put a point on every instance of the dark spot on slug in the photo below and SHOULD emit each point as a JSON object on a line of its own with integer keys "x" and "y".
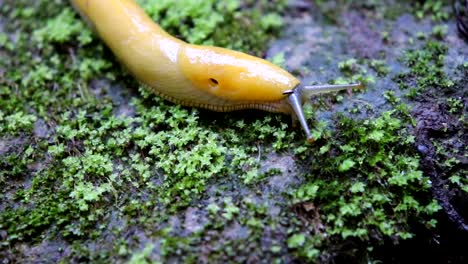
{"x": 214, "y": 81}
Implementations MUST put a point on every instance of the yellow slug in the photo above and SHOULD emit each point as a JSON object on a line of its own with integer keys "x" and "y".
{"x": 208, "y": 77}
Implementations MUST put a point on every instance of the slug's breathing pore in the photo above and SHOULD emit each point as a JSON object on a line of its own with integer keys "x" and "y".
{"x": 201, "y": 76}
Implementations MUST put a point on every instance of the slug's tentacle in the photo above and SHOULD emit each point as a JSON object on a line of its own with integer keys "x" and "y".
{"x": 311, "y": 90}
{"x": 301, "y": 94}
{"x": 294, "y": 99}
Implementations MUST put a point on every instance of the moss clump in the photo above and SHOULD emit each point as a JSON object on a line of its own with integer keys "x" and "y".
{"x": 426, "y": 68}
{"x": 63, "y": 28}
{"x": 75, "y": 156}
{"x": 354, "y": 72}
{"x": 93, "y": 168}
{"x": 216, "y": 22}
{"x": 437, "y": 10}
{"x": 364, "y": 185}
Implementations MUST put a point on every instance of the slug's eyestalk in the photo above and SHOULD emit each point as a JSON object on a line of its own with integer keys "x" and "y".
{"x": 301, "y": 94}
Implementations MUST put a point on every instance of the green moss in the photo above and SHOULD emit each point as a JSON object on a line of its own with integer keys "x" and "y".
{"x": 380, "y": 67}
{"x": 459, "y": 180}
{"x": 391, "y": 97}
{"x": 354, "y": 72}
{"x": 370, "y": 186}
{"x": 440, "y": 31}
{"x": 455, "y": 105}
{"x": 108, "y": 180}
{"x": 63, "y": 28}
{"x": 17, "y": 122}
{"x": 214, "y": 22}
{"x": 425, "y": 68}
{"x": 83, "y": 162}
{"x": 437, "y": 10}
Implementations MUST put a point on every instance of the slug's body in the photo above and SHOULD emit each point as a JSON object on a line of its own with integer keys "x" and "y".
{"x": 208, "y": 77}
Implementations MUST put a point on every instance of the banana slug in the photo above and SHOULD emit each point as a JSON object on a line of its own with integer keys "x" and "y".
{"x": 200, "y": 76}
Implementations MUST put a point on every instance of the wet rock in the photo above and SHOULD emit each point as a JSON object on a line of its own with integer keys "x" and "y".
{"x": 41, "y": 130}
{"x": 194, "y": 221}
{"x": 235, "y": 232}
{"x": 364, "y": 41}
{"x": 46, "y": 252}
{"x": 7, "y": 145}
{"x": 300, "y": 5}
{"x": 423, "y": 149}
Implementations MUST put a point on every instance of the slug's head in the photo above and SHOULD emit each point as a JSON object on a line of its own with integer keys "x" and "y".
{"x": 235, "y": 76}
{"x": 238, "y": 77}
